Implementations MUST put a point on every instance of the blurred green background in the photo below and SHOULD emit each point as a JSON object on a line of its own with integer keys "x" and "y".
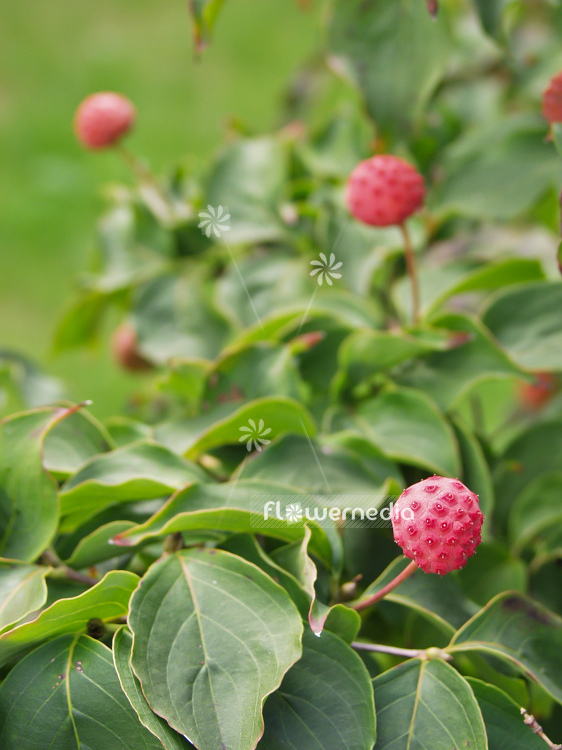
{"x": 54, "y": 54}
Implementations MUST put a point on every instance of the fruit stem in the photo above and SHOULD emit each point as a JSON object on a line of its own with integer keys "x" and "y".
{"x": 412, "y": 272}
{"x": 409, "y": 653}
{"x": 160, "y": 203}
{"x": 400, "y": 578}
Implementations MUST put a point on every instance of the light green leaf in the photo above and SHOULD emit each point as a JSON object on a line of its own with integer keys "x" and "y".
{"x": 397, "y": 54}
{"x": 521, "y": 632}
{"x": 276, "y": 415}
{"x": 22, "y": 591}
{"x": 139, "y": 471}
{"x": 239, "y": 507}
{"x": 213, "y": 636}
{"x": 72, "y": 442}
{"x": 203, "y": 14}
{"x": 422, "y": 704}
{"x": 325, "y": 701}
{"x": 408, "y": 426}
{"x": 247, "y": 180}
{"x": 106, "y": 601}
{"x": 122, "y": 650}
{"x": 526, "y": 322}
{"x": 29, "y": 505}
{"x": 66, "y": 695}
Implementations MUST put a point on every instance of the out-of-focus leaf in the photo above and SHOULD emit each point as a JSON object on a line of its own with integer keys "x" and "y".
{"x": 397, "y": 54}
{"x": 526, "y": 322}
{"x": 407, "y": 426}
{"x": 247, "y": 181}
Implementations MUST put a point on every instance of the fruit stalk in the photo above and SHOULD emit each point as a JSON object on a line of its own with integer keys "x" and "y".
{"x": 400, "y": 578}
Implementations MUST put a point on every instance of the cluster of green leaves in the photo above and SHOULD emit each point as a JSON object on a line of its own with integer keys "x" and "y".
{"x": 145, "y": 599}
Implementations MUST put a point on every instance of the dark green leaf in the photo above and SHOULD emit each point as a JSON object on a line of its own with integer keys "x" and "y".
{"x": 520, "y": 631}
{"x": 66, "y": 695}
{"x": 213, "y": 636}
{"x": 422, "y": 704}
{"x": 325, "y": 701}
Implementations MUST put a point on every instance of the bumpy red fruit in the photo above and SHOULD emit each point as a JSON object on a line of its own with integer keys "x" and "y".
{"x": 384, "y": 191}
{"x": 103, "y": 119}
{"x": 552, "y": 100}
{"x": 438, "y": 523}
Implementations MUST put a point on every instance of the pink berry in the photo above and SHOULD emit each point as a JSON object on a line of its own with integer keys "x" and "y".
{"x": 552, "y": 100}
{"x": 103, "y": 119}
{"x": 437, "y": 523}
{"x": 384, "y": 191}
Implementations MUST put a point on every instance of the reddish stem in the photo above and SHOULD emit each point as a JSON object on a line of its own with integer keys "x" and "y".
{"x": 400, "y": 578}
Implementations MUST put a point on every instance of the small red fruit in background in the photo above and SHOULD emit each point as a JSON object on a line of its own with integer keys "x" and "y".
{"x": 103, "y": 119}
{"x": 533, "y": 396}
{"x": 437, "y": 522}
{"x": 124, "y": 346}
{"x": 552, "y": 100}
{"x": 384, "y": 191}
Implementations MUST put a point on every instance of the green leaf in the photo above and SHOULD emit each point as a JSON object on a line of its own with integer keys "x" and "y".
{"x": 525, "y": 321}
{"x": 439, "y": 600}
{"x": 175, "y": 316}
{"x": 66, "y": 695}
{"x": 448, "y": 375}
{"x": 325, "y": 701}
{"x": 213, "y": 636}
{"x": 22, "y": 591}
{"x": 248, "y": 180}
{"x": 238, "y": 507}
{"x": 203, "y": 15}
{"x": 396, "y": 53}
{"x": 520, "y": 631}
{"x": 493, "y": 275}
{"x": 536, "y": 511}
{"x": 366, "y": 352}
{"x": 29, "y": 505}
{"x": 276, "y": 415}
{"x": 475, "y": 469}
{"x": 532, "y": 454}
{"x": 106, "y": 601}
{"x": 491, "y": 572}
{"x": 408, "y": 427}
{"x": 491, "y": 14}
{"x": 124, "y": 430}
{"x": 122, "y": 650}
{"x": 427, "y": 704}
{"x": 140, "y": 471}
{"x": 321, "y": 469}
{"x": 504, "y": 724}
{"x": 74, "y": 441}
{"x": 498, "y": 172}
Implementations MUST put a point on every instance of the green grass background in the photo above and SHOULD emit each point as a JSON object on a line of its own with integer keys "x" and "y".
{"x": 54, "y": 54}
